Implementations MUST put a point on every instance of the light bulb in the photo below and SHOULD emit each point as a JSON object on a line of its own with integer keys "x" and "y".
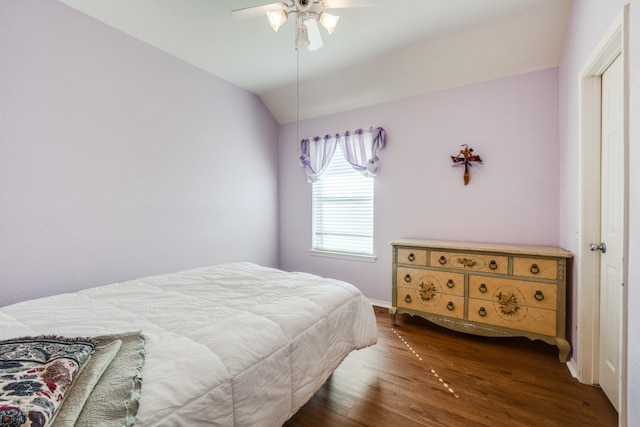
{"x": 277, "y": 18}
{"x": 302, "y": 37}
{"x": 329, "y": 21}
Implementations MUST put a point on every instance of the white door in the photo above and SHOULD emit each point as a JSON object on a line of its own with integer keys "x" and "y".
{"x": 612, "y": 233}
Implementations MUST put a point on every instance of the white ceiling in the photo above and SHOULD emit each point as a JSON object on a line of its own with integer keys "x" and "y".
{"x": 392, "y": 50}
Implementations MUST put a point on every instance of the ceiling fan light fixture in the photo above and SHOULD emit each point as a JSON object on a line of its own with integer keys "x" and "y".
{"x": 277, "y": 18}
{"x": 329, "y": 21}
{"x": 302, "y": 36}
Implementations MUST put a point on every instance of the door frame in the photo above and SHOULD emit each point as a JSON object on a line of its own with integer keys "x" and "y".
{"x": 613, "y": 43}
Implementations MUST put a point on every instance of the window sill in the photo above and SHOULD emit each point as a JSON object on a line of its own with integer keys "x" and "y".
{"x": 343, "y": 255}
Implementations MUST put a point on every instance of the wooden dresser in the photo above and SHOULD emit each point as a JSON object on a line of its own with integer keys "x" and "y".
{"x": 484, "y": 288}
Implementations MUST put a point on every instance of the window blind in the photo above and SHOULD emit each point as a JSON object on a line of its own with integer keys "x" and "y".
{"x": 343, "y": 209}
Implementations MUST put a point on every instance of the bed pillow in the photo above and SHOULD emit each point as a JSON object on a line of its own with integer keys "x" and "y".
{"x": 36, "y": 374}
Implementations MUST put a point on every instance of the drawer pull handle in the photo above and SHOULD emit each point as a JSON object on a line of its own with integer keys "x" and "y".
{"x": 493, "y": 264}
{"x": 534, "y": 269}
{"x": 407, "y": 278}
{"x": 411, "y": 257}
{"x": 539, "y": 295}
{"x": 442, "y": 260}
{"x": 407, "y": 299}
{"x": 482, "y": 312}
{"x": 450, "y": 283}
{"x": 450, "y": 306}
{"x": 483, "y": 288}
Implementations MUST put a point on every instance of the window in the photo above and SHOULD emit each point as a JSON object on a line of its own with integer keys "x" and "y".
{"x": 341, "y": 168}
{"x": 343, "y": 209}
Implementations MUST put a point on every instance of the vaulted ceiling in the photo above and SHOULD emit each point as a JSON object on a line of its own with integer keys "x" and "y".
{"x": 391, "y": 50}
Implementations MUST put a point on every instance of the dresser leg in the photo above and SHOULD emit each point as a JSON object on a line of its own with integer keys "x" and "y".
{"x": 564, "y": 347}
{"x": 392, "y": 313}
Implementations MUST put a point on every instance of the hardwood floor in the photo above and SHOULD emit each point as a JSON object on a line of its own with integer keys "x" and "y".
{"x": 420, "y": 374}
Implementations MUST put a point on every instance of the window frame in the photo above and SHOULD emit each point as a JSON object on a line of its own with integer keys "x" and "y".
{"x": 335, "y": 252}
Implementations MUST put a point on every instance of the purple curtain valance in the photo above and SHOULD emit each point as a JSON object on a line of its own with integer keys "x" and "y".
{"x": 360, "y": 149}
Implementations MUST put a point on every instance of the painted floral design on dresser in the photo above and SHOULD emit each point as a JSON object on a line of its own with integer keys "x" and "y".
{"x": 467, "y": 262}
{"x": 510, "y": 303}
{"x": 428, "y": 291}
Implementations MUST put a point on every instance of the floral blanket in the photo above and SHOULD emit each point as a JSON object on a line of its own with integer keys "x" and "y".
{"x": 35, "y": 376}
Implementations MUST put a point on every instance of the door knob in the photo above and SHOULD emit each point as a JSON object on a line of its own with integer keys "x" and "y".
{"x": 598, "y": 247}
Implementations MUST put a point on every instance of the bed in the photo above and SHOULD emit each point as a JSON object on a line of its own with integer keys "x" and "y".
{"x": 232, "y": 344}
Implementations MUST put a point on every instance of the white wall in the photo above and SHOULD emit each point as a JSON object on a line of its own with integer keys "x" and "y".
{"x": 633, "y": 288}
{"x": 512, "y": 123}
{"x": 119, "y": 161}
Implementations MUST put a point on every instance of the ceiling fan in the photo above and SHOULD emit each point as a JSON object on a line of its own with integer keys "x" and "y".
{"x": 308, "y": 13}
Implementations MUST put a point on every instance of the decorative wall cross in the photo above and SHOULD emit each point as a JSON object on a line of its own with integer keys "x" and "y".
{"x": 466, "y": 157}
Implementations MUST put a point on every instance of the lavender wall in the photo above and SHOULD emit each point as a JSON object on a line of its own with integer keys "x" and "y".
{"x": 117, "y": 160}
{"x": 588, "y": 21}
{"x": 512, "y": 123}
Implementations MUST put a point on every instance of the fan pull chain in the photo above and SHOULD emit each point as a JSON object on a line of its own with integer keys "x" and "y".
{"x": 297, "y": 98}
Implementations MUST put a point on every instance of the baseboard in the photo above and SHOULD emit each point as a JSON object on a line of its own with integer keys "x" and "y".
{"x": 573, "y": 367}
{"x": 384, "y": 304}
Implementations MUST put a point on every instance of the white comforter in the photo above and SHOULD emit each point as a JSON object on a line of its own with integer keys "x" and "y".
{"x": 233, "y": 344}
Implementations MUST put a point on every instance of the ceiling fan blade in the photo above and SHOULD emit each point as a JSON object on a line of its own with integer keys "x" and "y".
{"x": 344, "y": 4}
{"x": 315, "y": 38}
{"x": 255, "y": 11}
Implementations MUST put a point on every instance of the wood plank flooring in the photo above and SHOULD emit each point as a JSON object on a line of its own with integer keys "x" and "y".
{"x": 420, "y": 374}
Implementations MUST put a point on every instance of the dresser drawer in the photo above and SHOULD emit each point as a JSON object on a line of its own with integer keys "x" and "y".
{"x": 412, "y": 256}
{"x": 470, "y": 262}
{"x": 531, "y": 294}
{"x": 432, "y": 302}
{"x": 523, "y": 318}
{"x": 535, "y": 267}
{"x": 431, "y": 281}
